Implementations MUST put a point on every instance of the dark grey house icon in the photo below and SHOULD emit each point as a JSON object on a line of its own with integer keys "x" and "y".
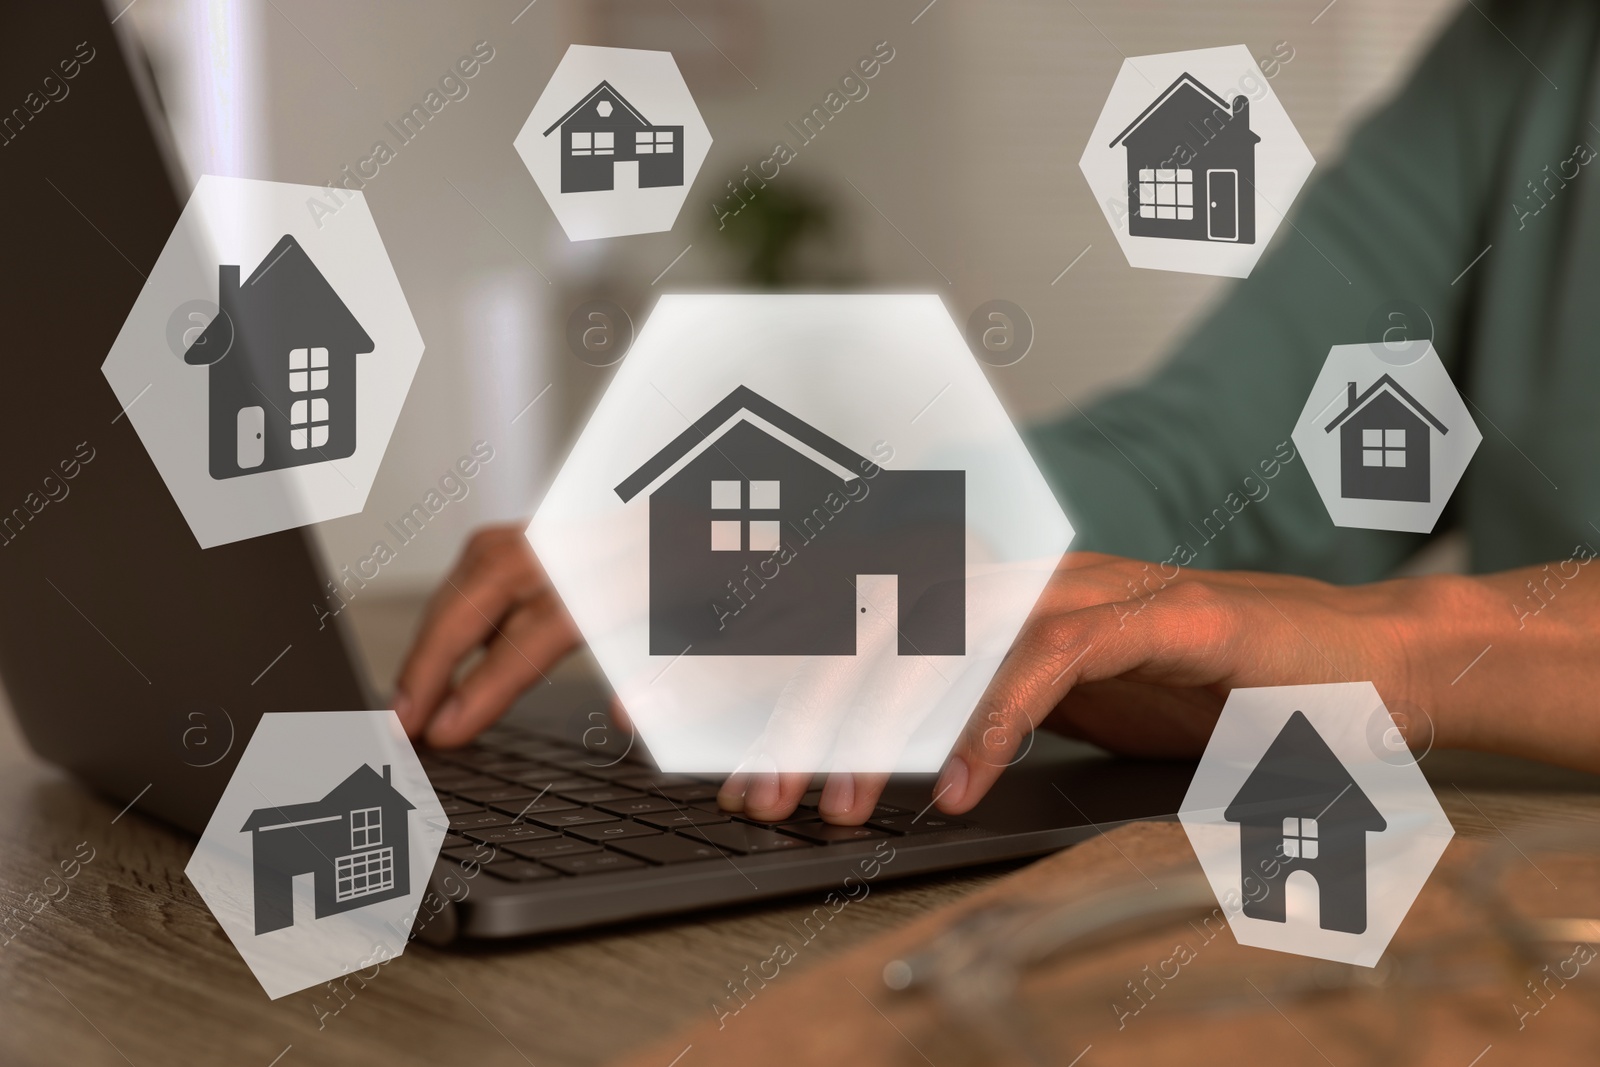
{"x": 1192, "y": 167}
{"x": 1301, "y": 811}
{"x": 281, "y": 356}
{"x": 764, "y": 531}
{"x": 603, "y": 130}
{"x": 354, "y": 842}
{"x": 1384, "y": 444}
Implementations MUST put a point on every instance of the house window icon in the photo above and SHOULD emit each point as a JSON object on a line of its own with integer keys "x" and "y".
{"x": 1299, "y": 839}
{"x": 764, "y": 531}
{"x": 280, "y": 356}
{"x": 755, "y": 534}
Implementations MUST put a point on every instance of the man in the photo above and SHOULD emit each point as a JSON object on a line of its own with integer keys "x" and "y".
{"x": 1469, "y": 196}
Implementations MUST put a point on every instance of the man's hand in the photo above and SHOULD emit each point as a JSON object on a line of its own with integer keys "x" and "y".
{"x": 497, "y": 599}
{"x": 1116, "y": 654}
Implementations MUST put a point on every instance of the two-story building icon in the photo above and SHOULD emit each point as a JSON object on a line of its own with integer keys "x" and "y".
{"x": 354, "y": 843}
{"x": 280, "y": 356}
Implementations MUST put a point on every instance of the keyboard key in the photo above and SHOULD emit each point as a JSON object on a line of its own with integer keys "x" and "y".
{"x": 536, "y": 750}
{"x": 642, "y": 806}
{"x": 603, "y": 793}
{"x": 688, "y": 793}
{"x": 744, "y": 838}
{"x": 555, "y": 846}
{"x": 811, "y": 799}
{"x": 679, "y": 820}
{"x": 556, "y": 782}
{"x": 475, "y": 853}
{"x": 909, "y": 824}
{"x": 668, "y": 848}
{"x": 561, "y": 820}
{"x": 458, "y": 807}
{"x": 498, "y": 793}
{"x": 828, "y": 834}
{"x": 593, "y": 863}
{"x": 524, "y": 808}
{"x": 455, "y": 841}
{"x": 460, "y": 778}
{"x": 606, "y": 771}
{"x": 480, "y": 759}
{"x": 503, "y": 835}
{"x": 520, "y": 871}
{"x": 653, "y": 783}
{"x": 478, "y": 820}
{"x": 615, "y": 831}
{"x": 580, "y": 761}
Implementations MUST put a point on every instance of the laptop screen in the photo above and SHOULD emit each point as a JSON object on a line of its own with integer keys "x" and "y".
{"x": 129, "y": 656}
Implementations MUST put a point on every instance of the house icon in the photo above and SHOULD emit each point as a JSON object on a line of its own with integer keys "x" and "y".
{"x": 1384, "y": 444}
{"x": 354, "y": 842}
{"x": 603, "y": 130}
{"x": 281, "y": 356}
{"x": 1192, "y": 166}
{"x": 1300, "y": 810}
{"x": 768, "y": 537}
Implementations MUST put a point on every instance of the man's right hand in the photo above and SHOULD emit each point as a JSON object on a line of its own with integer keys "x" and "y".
{"x": 499, "y": 599}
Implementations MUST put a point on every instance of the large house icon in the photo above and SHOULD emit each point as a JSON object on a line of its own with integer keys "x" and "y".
{"x": 602, "y": 131}
{"x": 1192, "y": 166}
{"x": 1300, "y": 810}
{"x": 764, "y": 533}
{"x": 281, "y": 356}
{"x": 1384, "y": 444}
{"x": 354, "y": 842}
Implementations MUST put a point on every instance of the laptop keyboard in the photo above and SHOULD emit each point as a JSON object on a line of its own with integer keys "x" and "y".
{"x": 530, "y": 809}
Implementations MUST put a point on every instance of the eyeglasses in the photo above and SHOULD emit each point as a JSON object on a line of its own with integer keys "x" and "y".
{"x": 1491, "y": 956}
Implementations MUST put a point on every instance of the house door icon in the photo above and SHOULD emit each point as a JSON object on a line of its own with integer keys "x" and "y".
{"x": 877, "y": 611}
{"x": 1222, "y": 196}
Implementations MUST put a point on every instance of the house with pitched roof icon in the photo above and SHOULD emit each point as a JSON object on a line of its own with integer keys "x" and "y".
{"x": 769, "y": 537}
{"x": 1301, "y": 811}
{"x": 354, "y": 843}
{"x": 603, "y": 132}
{"x": 1384, "y": 444}
{"x": 1192, "y": 166}
{"x": 281, "y": 358}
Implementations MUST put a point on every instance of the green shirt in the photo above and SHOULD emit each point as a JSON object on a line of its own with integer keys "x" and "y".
{"x": 1446, "y": 170}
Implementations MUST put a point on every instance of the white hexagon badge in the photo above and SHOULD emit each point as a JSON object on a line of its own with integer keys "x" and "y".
{"x": 1314, "y": 836}
{"x": 614, "y": 142}
{"x": 267, "y": 357}
{"x": 1194, "y": 161}
{"x": 317, "y": 856}
{"x": 799, "y": 533}
{"x": 1385, "y": 436}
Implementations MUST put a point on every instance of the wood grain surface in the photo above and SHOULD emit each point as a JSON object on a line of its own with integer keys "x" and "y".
{"x": 124, "y": 965}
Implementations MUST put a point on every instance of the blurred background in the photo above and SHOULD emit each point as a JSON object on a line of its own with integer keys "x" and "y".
{"x": 957, "y": 174}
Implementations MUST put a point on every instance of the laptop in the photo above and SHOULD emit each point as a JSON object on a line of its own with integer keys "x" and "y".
{"x": 141, "y": 663}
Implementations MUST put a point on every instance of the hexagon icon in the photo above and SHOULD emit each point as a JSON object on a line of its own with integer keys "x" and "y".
{"x": 317, "y": 856}
{"x": 614, "y": 142}
{"x": 799, "y": 532}
{"x": 1315, "y": 839}
{"x": 266, "y": 359}
{"x": 1385, "y": 436}
{"x": 1194, "y": 161}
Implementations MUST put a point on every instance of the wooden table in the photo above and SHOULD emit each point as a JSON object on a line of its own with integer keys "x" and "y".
{"x": 130, "y": 968}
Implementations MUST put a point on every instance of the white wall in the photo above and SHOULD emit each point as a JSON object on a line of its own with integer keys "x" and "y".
{"x": 968, "y": 142}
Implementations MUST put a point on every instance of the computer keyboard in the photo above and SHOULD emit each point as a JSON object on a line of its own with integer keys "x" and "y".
{"x": 526, "y": 809}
